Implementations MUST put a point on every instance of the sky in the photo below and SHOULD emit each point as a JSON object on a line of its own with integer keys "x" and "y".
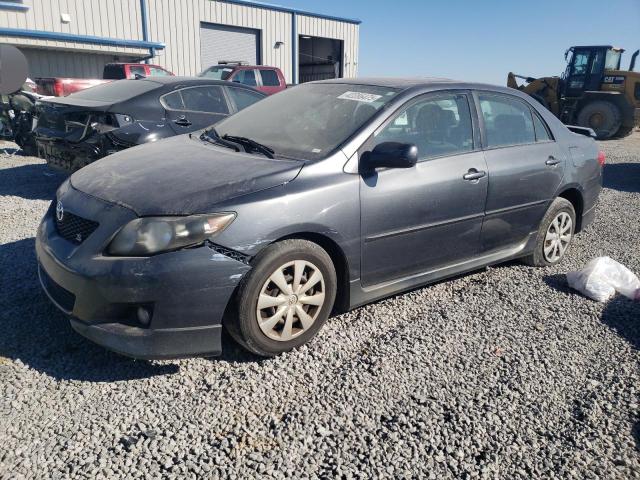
{"x": 480, "y": 40}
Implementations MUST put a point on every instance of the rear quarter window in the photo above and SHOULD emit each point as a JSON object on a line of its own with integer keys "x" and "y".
{"x": 542, "y": 130}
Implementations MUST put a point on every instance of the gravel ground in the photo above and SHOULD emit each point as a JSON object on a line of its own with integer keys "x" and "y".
{"x": 503, "y": 373}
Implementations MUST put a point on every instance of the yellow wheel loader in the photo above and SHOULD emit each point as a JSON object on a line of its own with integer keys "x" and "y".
{"x": 593, "y": 92}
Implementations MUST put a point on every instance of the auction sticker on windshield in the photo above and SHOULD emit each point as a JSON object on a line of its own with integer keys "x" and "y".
{"x": 360, "y": 97}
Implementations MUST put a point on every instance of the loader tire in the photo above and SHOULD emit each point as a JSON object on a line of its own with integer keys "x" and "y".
{"x": 603, "y": 117}
{"x": 623, "y": 132}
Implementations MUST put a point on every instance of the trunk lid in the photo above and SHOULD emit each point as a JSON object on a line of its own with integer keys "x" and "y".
{"x": 65, "y": 122}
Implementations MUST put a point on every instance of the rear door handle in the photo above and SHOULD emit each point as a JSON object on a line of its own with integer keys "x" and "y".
{"x": 552, "y": 161}
{"x": 474, "y": 174}
{"x": 182, "y": 121}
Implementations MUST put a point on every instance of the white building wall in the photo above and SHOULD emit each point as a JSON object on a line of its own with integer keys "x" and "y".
{"x": 102, "y": 18}
{"x": 175, "y": 23}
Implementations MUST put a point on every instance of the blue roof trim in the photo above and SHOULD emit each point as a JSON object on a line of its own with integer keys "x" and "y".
{"x": 279, "y": 8}
{"x": 70, "y": 37}
{"x": 13, "y": 6}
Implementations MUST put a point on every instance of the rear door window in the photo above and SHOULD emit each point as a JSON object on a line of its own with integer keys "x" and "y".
{"x": 243, "y": 97}
{"x": 246, "y": 77}
{"x": 209, "y": 99}
{"x": 269, "y": 78}
{"x": 507, "y": 120}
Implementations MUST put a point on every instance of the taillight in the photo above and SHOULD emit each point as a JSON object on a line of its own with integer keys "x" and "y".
{"x": 57, "y": 88}
{"x": 602, "y": 158}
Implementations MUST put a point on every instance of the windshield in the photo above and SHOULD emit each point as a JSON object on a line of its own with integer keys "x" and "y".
{"x": 116, "y": 91}
{"x": 217, "y": 73}
{"x": 308, "y": 121}
{"x": 612, "y": 61}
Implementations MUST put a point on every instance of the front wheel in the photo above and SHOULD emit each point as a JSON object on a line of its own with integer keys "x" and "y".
{"x": 555, "y": 234}
{"x": 285, "y": 299}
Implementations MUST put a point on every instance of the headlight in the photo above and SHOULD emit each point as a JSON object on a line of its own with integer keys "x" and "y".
{"x": 149, "y": 235}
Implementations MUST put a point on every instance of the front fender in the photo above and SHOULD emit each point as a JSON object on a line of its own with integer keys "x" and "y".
{"x": 326, "y": 205}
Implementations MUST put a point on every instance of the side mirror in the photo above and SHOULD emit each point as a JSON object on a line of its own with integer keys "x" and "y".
{"x": 390, "y": 155}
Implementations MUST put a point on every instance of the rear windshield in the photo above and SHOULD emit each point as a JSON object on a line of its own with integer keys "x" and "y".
{"x": 117, "y": 91}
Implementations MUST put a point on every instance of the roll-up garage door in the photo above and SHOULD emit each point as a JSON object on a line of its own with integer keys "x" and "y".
{"x": 222, "y": 42}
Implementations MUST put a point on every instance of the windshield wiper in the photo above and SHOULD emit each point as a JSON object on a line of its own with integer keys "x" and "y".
{"x": 210, "y": 135}
{"x": 249, "y": 145}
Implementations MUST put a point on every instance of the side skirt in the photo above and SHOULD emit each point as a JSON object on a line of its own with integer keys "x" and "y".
{"x": 360, "y": 296}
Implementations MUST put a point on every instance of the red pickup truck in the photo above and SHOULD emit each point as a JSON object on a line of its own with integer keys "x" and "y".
{"x": 268, "y": 80}
{"x": 61, "y": 87}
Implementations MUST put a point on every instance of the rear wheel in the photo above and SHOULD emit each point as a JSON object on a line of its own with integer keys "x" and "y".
{"x": 285, "y": 299}
{"x": 603, "y": 117}
{"x": 555, "y": 234}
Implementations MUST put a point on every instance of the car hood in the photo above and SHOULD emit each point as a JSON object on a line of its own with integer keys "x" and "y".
{"x": 180, "y": 176}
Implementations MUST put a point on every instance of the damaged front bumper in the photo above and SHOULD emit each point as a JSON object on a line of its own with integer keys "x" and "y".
{"x": 184, "y": 293}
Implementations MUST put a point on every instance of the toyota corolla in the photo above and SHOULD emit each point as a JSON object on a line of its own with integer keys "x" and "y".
{"x": 319, "y": 199}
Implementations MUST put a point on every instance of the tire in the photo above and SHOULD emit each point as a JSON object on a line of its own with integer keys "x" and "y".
{"x": 603, "y": 117}
{"x": 623, "y": 132}
{"x": 278, "y": 326}
{"x": 559, "y": 210}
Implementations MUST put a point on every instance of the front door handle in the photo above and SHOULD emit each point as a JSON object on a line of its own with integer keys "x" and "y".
{"x": 474, "y": 174}
{"x": 182, "y": 121}
{"x": 552, "y": 161}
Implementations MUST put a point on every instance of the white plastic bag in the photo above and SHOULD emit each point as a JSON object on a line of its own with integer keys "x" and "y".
{"x": 602, "y": 277}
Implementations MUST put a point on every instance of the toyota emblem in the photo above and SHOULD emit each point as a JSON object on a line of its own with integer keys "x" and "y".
{"x": 59, "y": 211}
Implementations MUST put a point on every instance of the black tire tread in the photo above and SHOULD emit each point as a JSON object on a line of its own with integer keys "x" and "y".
{"x": 235, "y": 321}
{"x": 611, "y": 111}
{"x": 536, "y": 258}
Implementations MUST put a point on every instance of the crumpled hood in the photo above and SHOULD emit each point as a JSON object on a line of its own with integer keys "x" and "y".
{"x": 180, "y": 176}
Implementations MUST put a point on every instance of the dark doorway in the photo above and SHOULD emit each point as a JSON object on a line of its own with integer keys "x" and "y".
{"x": 319, "y": 58}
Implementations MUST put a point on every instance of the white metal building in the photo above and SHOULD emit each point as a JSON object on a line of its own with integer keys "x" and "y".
{"x": 75, "y": 38}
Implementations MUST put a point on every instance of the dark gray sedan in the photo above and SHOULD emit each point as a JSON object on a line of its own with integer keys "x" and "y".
{"x": 316, "y": 200}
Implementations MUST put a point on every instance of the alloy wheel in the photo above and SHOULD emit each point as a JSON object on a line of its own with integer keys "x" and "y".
{"x": 558, "y": 237}
{"x": 290, "y": 300}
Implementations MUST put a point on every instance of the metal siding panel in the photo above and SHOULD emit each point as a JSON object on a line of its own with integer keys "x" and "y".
{"x": 177, "y": 23}
{"x": 50, "y": 63}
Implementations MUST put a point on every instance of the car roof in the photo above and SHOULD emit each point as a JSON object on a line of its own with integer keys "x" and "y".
{"x": 418, "y": 83}
{"x": 240, "y": 65}
{"x": 170, "y": 80}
